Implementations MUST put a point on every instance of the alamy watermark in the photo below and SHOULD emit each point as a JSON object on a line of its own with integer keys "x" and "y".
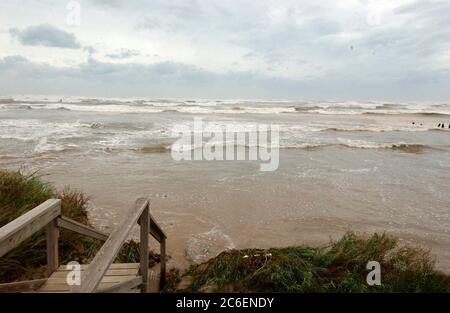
{"x": 74, "y": 13}
{"x": 73, "y": 277}
{"x": 374, "y": 276}
{"x": 230, "y": 142}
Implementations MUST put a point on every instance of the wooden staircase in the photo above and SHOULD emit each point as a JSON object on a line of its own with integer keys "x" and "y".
{"x": 101, "y": 275}
{"x": 117, "y": 273}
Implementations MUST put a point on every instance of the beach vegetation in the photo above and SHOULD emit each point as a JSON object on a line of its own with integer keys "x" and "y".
{"x": 339, "y": 267}
{"x": 20, "y": 193}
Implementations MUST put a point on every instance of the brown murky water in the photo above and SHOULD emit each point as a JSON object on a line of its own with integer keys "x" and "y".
{"x": 337, "y": 172}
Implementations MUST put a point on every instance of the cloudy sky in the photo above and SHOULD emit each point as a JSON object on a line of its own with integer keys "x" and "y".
{"x": 343, "y": 50}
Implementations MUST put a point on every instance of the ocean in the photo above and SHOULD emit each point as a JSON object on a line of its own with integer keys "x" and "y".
{"x": 363, "y": 166}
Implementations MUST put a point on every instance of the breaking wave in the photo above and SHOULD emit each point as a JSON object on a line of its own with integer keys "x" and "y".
{"x": 160, "y": 148}
{"x": 199, "y": 106}
{"x": 404, "y": 147}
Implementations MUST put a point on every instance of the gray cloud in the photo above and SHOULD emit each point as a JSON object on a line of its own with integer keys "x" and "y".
{"x": 123, "y": 54}
{"x": 95, "y": 77}
{"x": 90, "y": 50}
{"x": 296, "y": 49}
{"x": 172, "y": 79}
{"x": 45, "y": 35}
{"x": 107, "y": 3}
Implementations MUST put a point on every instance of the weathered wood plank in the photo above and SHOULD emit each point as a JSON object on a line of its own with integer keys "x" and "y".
{"x": 52, "y": 247}
{"x": 22, "y": 286}
{"x": 110, "y": 272}
{"x": 162, "y": 281}
{"x": 124, "y": 286}
{"x": 90, "y": 279}
{"x": 113, "y": 266}
{"x": 143, "y": 244}
{"x": 117, "y": 273}
{"x": 67, "y": 288}
{"x": 156, "y": 231}
{"x": 15, "y": 232}
{"x": 58, "y": 280}
{"x": 82, "y": 229}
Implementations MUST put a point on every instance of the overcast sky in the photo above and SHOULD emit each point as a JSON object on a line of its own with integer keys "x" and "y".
{"x": 342, "y": 50}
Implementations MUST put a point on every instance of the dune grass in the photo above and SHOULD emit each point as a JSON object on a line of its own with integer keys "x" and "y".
{"x": 339, "y": 267}
{"x": 20, "y": 193}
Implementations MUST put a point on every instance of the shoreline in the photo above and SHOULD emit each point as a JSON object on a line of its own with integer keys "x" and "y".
{"x": 339, "y": 266}
{"x": 213, "y": 204}
{"x": 308, "y": 232}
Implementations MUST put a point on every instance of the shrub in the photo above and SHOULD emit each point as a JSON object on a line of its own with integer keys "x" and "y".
{"x": 338, "y": 267}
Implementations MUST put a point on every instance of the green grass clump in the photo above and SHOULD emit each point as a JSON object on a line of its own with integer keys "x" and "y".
{"x": 20, "y": 193}
{"x": 338, "y": 267}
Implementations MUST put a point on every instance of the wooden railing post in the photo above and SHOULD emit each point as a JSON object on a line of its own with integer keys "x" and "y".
{"x": 93, "y": 275}
{"x": 23, "y": 227}
{"x": 52, "y": 246}
{"x": 162, "y": 280}
{"x": 144, "y": 221}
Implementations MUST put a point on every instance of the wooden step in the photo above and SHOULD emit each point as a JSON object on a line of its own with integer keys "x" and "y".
{"x": 117, "y": 273}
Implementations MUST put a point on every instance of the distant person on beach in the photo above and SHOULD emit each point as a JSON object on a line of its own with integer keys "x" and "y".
{"x": 442, "y": 125}
{"x": 439, "y": 125}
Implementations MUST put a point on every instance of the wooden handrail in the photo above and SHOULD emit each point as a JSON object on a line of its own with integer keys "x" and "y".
{"x": 91, "y": 278}
{"x": 67, "y": 223}
{"x": 48, "y": 215}
{"x": 23, "y": 227}
{"x": 156, "y": 231}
